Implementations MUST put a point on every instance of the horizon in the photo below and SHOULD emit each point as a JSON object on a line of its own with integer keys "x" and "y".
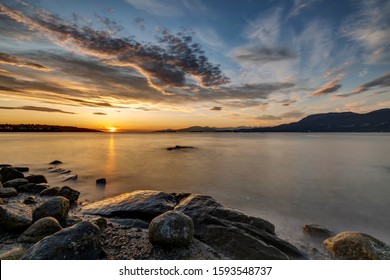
{"x": 149, "y": 65}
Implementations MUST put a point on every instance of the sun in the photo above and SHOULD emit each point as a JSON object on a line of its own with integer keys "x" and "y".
{"x": 111, "y": 129}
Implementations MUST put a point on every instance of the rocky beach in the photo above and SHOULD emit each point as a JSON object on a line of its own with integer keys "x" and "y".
{"x": 43, "y": 222}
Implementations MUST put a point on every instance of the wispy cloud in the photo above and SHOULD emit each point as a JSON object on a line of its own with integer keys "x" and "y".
{"x": 255, "y": 54}
{"x": 299, "y": 6}
{"x": 287, "y": 115}
{"x": 216, "y": 108}
{"x": 20, "y": 62}
{"x": 168, "y": 8}
{"x": 383, "y": 81}
{"x": 100, "y": 113}
{"x": 329, "y": 87}
{"x": 34, "y": 108}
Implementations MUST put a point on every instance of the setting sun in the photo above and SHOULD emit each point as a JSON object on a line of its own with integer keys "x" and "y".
{"x": 111, "y": 129}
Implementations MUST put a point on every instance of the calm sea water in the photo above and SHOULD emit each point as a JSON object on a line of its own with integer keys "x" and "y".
{"x": 338, "y": 180}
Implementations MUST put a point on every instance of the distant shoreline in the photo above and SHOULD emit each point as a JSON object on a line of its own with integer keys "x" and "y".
{"x": 42, "y": 128}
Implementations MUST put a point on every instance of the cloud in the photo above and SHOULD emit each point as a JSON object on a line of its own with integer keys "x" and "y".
{"x": 140, "y": 22}
{"x": 363, "y": 73}
{"x": 100, "y": 113}
{"x": 20, "y": 62}
{"x": 2, "y": 88}
{"x": 216, "y": 108}
{"x": 287, "y": 115}
{"x": 383, "y": 81}
{"x": 40, "y": 109}
{"x": 287, "y": 102}
{"x": 255, "y": 54}
{"x": 299, "y": 6}
{"x": 329, "y": 87}
{"x": 168, "y": 8}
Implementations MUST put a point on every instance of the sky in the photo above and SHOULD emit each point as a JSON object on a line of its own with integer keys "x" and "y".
{"x": 144, "y": 65}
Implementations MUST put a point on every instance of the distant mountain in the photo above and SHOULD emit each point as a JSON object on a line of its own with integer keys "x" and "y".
{"x": 42, "y": 128}
{"x": 376, "y": 121}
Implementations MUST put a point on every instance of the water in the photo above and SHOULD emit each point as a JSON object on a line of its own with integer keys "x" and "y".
{"x": 338, "y": 180}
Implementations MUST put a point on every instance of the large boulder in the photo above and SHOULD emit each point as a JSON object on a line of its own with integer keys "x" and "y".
{"x": 350, "y": 245}
{"x": 56, "y": 207}
{"x": 232, "y": 233}
{"x": 37, "y": 179}
{"x": 173, "y": 228}
{"x": 9, "y": 173}
{"x": 144, "y": 205}
{"x": 15, "y": 183}
{"x": 69, "y": 193}
{"x": 79, "y": 242}
{"x": 15, "y": 217}
{"x": 40, "y": 229}
{"x": 8, "y": 192}
{"x": 33, "y": 187}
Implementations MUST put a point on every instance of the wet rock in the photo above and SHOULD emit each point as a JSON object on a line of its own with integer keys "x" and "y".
{"x": 40, "y": 229}
{"x": 179, "y": 147}
{"x": 33, "y": 188}
{"x": 50, "y": 191}
{"x": 30, "y": 200}
{"x": 55, "y": 162}
{"x": 317, "y": 231}
{"x": 15, "y": 217}
{"x": 71, "y": 220}
{"x": 173, "y": 228}
{"x": 70, "y": 178}
{"x": 144, "y": 205}
{"x": 130, "y": 223}
{"x": 232, "y": 233}
{"x": 22, "y": 168}
{"x": 15, "y": 183}
{"x": 5, "y": 165}
{"x": 101, "y": 181}
{"x": 100, "y": 222}
{"x": 357, "y": 246}
{"x": 37, "y": 179}
{"x": 69, "y": 193}
{"x": 1, "y": 201}
{"x": 8, "y": 192}
{"x": 9, "y": 173}
{"x": 79, "y": 242}
{"x": 12, "y": 252}
{"x": 56, "y": 207}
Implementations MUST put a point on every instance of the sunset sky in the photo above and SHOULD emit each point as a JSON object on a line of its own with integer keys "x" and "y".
{"x": 155, "y": 64}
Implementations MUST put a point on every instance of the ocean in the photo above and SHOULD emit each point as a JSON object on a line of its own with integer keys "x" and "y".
{"x": 339, "y": 180}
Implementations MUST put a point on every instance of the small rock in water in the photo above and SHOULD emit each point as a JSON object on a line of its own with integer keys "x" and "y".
{"x": 5, "y": 165}
{"x": 101, "y": 181}
{"x": 8, "y": 192}
{"x": 9, "y": 173}
{"x": 50, "y": 191}
{"x": 33, "y": 188}
{"x": 317, "y": 231}
{"x": 55, "y": 162}
{"x": 56, "y": 207}
{"x": 357, "y": 246}
{"x": 173, "y": 228}
{"x": 70, "y": 178}
{"x": 69, "y": 193}
{"x": 179, "y": 147}
{"x": 22, "y": 168}
{"x": 30, "y": 200}
{"x": 40, "y": 229}
{"x": 37, "y": 179}
{"x": 15, "y": 183}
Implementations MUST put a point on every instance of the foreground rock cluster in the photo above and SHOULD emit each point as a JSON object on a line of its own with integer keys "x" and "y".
{"x": 42, "y": 222}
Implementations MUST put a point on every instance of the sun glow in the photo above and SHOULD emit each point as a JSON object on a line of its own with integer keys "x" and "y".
{"x": 111, "y": 129}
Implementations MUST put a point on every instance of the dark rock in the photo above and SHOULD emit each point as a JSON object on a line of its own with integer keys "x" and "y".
{"x": 101, "y": 181}
{"x": 71, "y": 220}
{"x": 37, "y": 179}
{"x": 15, "y": 183}
{"x": 5, "y": 165}
{"x": 55, "y": 162}
{"x": 30, "y": 200}
{"x": 100, "y": 222}
{"x": 173, "y": 228}
{"x": 144, "y": 205}
{"x": 79, "y": 242}
{"x": 33, "y": 188}
{"x": 70, "y": 178}
{"x": 22, "y": 168}
{"x": 12, "y": 252}
{"x": 56, "y": 207}
{"x": 130, "y": 223}
{"x": 179, "y": 147}
{"x": 8, "y": 192}
{"x": 317, "y": 231}
{"x": 40, "y": 229}
{"x": 1, "y": 201}
{"x": 357, "y": 246}
{"x": 232, "y": 233}
{"x": 50, "y": 191}
{"x": 58, "y": 170}
{"x": 69, "y": 193}
{"x": 9, "y": 173}
{"x": 15, "y": 217}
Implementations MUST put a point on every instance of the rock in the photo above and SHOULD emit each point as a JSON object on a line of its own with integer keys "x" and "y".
{"x": 22, "y": 168}
{"x": 50, "y": 191}
{"x": 100, "y": 222}
{"x": 179, "y": 147}
{"x": 58, "y": 170}
{"x": 56, "y": 207}
{"x": 71, "y": 220}
{"x": 40, "y": 229}
{"x": 69, "y": 193}
{"x": 9, "y": 173}
{"x": 78, "y": 242}
{"x": 37, "y": 179}
{"x": 1, "y": 201}
{"x": 12, "y": 252}
{"x": 70, "y": 178}
{"x": 15, "y": 183}
{"x": 33, "y": 188}
{"x": 15, "y": 217}
{"x": 8, "y": 192}
{"x": 30, "y": 200}
{"x": 5, "y": 165}
{"x": 143, "y": 205}
{"x": 232, "y": 233}
{"x": 173, "y": 228}
{"x": 317, "y": 231}
{"x": 130, "y": 223}
{"x": 101, "y": 181}
{"x": 55, "y": 162}
{"x": 357, "y": 246}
